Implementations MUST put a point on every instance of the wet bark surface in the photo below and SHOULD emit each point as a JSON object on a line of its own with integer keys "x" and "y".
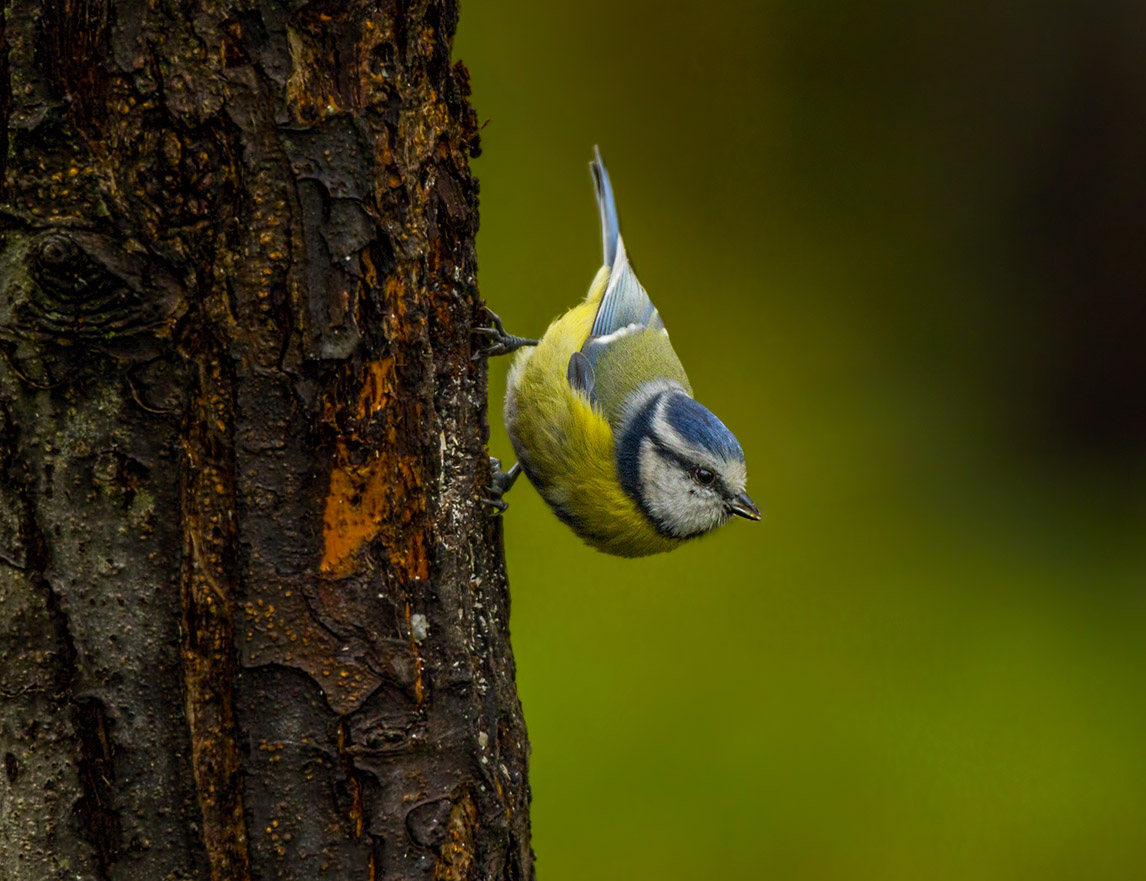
{"x": 253, "y": 612}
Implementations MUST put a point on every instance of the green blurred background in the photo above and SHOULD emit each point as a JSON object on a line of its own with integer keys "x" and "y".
{"x": 901, "y": 251}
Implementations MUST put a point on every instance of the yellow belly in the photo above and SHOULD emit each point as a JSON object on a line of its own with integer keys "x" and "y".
{"x": 565, "y": 444}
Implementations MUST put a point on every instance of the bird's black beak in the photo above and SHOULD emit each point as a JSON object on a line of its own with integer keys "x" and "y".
{"x": 742, "y": 506}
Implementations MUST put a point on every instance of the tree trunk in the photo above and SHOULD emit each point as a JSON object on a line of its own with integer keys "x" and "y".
{"x": 253, "y": 613}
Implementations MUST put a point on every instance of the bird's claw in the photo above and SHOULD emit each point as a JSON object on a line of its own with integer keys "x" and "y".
{"x": 500, "y": 483}
{"x": 502, "y": 343}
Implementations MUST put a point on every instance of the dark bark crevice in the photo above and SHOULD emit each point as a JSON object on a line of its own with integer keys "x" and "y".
{"x": 210, "y": 587}
{"x": 95, "y": 814}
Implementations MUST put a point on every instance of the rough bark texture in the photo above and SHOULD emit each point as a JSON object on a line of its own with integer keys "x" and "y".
{"x": 253, "y": 614}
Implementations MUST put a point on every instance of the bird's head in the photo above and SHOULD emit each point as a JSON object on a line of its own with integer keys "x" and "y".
{"x": 681, "y": 465}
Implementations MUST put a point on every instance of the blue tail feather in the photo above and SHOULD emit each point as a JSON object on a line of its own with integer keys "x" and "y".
{"x": 610, "y": 226}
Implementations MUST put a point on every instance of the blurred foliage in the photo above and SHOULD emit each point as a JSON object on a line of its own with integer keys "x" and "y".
{"x": 900, "y": 248}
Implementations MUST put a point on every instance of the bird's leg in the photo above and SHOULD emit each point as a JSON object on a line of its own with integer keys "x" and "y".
{"x": 501, "y": 343}
{"x": 500, "y": 483}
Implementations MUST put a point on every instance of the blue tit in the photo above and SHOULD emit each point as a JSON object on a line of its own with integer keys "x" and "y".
{"x": 602, "y": 418}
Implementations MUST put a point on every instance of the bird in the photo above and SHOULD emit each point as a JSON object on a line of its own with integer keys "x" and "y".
{"x": 602, "y": 419}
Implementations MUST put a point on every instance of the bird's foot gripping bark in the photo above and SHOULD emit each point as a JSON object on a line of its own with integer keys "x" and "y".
{"x": 500, "y": 483}
{"x": 501, "y": 343}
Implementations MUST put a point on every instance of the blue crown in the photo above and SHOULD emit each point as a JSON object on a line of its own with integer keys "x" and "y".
{"x": 697, "y": 424}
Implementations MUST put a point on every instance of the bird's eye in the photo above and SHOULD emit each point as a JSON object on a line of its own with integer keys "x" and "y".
{"x": 703, "y": 476}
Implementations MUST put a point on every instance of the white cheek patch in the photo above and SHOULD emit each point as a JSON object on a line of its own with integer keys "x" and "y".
{"x": 658, "y": 480}
{"x": 675, "y": 500}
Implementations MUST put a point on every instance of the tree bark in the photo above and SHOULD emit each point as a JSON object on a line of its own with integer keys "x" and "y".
{"x": 253, "y": 612}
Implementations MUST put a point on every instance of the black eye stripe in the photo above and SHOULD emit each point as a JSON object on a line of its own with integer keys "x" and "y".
{"x": 666, "y": 452}
{"x": 670, "y": 455}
